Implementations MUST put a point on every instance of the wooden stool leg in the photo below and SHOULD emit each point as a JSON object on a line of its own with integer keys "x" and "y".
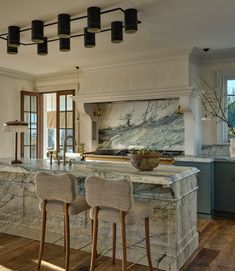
{"x": 148, "y": 243}
{"x": 44, "y": 217}
{"x": 123, "y": 234}
{"x": 64, "y": 236}
{"x": 94, "y": 241}
{"x": 67, "y": 236}
{"x": 92, "y": 227}
{"x": 114, "y": 242}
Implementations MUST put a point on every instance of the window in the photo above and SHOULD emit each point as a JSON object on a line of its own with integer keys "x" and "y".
{"x": 30, "y": 113}
{"x": 231, "y": 103}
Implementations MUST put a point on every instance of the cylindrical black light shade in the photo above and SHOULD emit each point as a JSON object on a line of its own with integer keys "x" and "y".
{"x": 64, "y": 45}
{"x": 11, "y": 50}
{"x": 116, "y": 32}
{"x": 37, "y": 31}
{"x": 64, "y": 25}
{"x": 89, "y": 39}
{"x": 13, "y": 36}
{"x": 42, "y": 48}
{"x": 131, "y": 22}
{"x": 93, "y": 19}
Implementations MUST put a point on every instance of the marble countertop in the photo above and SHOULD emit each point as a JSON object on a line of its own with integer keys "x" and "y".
{"x": 205, "y": 158}
{"x": 162, "y": 175}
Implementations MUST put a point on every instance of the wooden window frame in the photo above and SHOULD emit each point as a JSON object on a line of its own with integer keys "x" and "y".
{"x": 58, "y": 94}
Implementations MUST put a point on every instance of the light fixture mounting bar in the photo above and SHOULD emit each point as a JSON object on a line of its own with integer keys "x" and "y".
{"x": 4, "y": 35}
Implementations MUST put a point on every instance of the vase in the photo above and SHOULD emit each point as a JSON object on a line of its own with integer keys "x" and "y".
{"x": 232, "y": 147}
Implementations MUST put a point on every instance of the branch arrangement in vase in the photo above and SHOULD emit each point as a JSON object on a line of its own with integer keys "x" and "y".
{"x": 214, "y": 100}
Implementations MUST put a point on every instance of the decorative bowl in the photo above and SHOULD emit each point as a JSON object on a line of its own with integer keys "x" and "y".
{"x": 145, "y": 162}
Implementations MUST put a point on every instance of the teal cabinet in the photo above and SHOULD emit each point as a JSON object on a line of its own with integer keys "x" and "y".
{"x": 224, "y": 187}
{"x": 205, "y": 182}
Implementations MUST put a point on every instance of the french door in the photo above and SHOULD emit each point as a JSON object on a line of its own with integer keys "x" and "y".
{"x": 30, "y": 111}
{"x": 43, "y": 119}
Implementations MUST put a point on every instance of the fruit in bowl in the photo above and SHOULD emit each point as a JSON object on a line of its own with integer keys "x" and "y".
{"x": 144, "y": 159}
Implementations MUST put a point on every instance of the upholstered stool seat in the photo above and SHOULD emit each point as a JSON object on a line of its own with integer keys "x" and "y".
{"x": 138, "y": 212}
{"x": 57, "y": 195}
{"x": 112, "y": 201}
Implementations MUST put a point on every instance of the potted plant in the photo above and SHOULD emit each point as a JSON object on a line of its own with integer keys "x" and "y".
{"x": 144, "y": 159}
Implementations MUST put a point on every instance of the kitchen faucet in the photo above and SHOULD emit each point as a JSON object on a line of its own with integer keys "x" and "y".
{"x": 65, "y": 148}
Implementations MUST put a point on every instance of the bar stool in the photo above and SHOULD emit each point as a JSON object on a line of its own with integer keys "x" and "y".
{"x": 112, "y": 201}
{"x": 57, "y": 195}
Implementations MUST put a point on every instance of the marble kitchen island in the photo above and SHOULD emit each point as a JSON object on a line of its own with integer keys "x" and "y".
{"x": 171, "y": 189}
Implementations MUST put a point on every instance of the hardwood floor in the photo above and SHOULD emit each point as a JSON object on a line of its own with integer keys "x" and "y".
{"x": 216, "y": 252}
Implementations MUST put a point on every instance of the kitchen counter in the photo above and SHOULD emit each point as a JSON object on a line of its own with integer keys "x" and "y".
{"x": 171, "y": 189}
{"x": 205, "y": 158}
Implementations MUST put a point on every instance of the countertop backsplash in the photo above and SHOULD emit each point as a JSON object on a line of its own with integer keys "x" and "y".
{"x": 152, "y": 123}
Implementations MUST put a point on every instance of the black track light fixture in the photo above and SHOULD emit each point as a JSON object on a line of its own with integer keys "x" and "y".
{"x": 13, "y": 36}
{"x": 116, "y": 32}
{"x": 64, "y": 44}
{"x": 131, "y": 22}
{"x": 37, "y": 31}
{"x": 61, "y": 32}
{"x": 64, "y": 25}
{"x": 93, "y": 19}
{"x": 89, "y": 39}
{"x": 42, "y": 48}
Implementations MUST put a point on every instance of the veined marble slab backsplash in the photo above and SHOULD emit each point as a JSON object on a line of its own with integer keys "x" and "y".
{"x": 141, "y": 124}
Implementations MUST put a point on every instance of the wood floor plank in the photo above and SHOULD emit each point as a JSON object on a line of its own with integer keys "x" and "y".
{"x": 216, "y": 253}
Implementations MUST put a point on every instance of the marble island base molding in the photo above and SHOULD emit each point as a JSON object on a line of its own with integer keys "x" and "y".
{"x": 173, "y": 227}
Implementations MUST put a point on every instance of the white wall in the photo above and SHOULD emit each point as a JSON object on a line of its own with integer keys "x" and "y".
{"x": 10, "y": 86}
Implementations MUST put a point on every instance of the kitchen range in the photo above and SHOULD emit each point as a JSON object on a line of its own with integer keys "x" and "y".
{"x": 166, "y": 156}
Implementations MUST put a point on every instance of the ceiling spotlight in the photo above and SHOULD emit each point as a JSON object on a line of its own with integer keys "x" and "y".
{"x": 64, "y": 45}
{"x": 42, "y": 47}
{"x": 13, "y": 36}
{"x": 64, "y": 25}
{"x": 131, "y": 22}
{"x": 206, "y": 49}
{"x": 37, "y": 31}
{"x": 93, "y": 19}
{"x": 89, "y": 39}
{"x": 116, "y": 32}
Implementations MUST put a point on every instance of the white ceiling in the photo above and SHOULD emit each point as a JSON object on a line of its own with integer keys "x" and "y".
{"x": 167, "y": 26}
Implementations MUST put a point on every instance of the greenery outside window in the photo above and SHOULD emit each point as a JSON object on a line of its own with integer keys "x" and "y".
{"x": 231, "y": 103}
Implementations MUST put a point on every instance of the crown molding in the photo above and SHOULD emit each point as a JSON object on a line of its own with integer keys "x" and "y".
{"x": 141, "y": 94}
{"x": 68, "y": 74}
{"x": 138, "y": 62}
{"x": 16, "y": 74}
